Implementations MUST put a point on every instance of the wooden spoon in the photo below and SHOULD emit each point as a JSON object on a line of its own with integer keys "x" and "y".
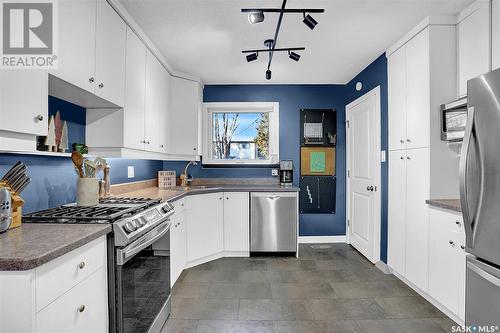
{"x": 77, "y": 159}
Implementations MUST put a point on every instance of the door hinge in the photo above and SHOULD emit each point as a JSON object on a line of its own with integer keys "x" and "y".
{"x": 348, "y": 222}
{"x": 347, "y": 123}
{"x": 348, "y": 173}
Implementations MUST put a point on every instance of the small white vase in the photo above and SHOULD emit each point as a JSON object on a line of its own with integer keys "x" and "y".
{"x": 87, "y": 192}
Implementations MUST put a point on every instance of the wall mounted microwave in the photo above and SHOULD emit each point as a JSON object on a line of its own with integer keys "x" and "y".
{"x": 453, "y": 120}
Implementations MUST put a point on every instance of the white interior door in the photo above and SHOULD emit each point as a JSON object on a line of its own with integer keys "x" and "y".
{"x": 363, "y": 165}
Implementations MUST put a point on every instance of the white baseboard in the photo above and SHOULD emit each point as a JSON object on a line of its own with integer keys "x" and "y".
{"x": 224, "y": 254}
{"x": 431, "y": 300}
{"x": 383, "y": 267}
{"x": 321, "y": 239}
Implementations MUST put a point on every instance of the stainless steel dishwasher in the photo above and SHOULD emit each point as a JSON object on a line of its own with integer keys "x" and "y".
{"x": 273, "y": 222}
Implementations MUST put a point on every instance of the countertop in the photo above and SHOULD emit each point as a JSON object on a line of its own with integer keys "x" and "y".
{"x": 450, "y": 204}
{"x": 34, "y": 244}
{"x": 175, "y": 194}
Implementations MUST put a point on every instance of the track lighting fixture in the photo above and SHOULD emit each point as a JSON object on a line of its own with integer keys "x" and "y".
{"x": 256, "y": 17}
{"x": 268, "y": 74}
{"x": 309, "y": 21}
{"x": 252, "y": 56}
{"x": 294, "y": 56}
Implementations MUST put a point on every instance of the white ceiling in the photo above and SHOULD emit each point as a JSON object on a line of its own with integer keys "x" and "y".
{"x": 205, "y": 37}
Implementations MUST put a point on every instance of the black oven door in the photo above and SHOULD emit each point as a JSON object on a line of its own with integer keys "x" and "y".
{"x": 143, "y": 284}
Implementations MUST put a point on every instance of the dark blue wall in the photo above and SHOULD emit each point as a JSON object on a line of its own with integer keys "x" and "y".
{"x": 291, "y": 98}
{"x": 372, "y": 76}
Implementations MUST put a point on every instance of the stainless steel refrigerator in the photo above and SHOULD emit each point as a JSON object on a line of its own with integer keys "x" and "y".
{"x": 480, "y": 200}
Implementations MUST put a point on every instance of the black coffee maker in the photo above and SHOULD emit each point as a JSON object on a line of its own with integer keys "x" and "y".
{"x": 286, "y": 173}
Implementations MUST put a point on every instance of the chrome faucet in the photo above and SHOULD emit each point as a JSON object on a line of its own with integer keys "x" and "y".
{"x": 184, "y": 177}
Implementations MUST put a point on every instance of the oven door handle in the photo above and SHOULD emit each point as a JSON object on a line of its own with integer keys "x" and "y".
{"x": 123, "y": 255}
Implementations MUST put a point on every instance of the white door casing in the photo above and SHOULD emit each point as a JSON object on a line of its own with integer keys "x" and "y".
{"x": 363, "y": 181}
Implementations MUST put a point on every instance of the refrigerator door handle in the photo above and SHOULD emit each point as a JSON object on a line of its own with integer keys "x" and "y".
{"x": 485, "y": 275}
{"x": 464, "y": 199}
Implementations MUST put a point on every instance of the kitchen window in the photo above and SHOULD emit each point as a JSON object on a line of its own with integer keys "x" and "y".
{"x": 241, "y": 133}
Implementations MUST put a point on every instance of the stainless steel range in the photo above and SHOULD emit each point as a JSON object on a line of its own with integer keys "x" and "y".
{"x": 139, "y": 277}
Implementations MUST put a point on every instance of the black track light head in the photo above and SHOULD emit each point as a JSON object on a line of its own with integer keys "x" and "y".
{"x": 256, "y": 17}
{"x": 310, "y": 21}
{"x": 252, "y": 57}
{"x": 268, "y": 74}
{"x": 294, "y": 56}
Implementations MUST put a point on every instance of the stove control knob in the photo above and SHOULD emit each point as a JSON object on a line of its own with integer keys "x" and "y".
{"x": 166, "y": 208}
{"x": 130, "y": 227}
{"x": 143, "y": 221}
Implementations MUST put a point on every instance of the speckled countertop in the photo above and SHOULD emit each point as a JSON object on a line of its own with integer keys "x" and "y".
{"x": 174, "y": 194}
{"x": 450, "y": 204}
{"x": 33, "y": 244}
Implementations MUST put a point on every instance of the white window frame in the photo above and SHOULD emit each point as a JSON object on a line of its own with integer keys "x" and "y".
{"x": 251, "y": 107}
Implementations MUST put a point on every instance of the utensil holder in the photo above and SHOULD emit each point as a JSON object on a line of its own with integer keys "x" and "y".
{"x": 87, "y": 192}
{"x": 16, "y": 205}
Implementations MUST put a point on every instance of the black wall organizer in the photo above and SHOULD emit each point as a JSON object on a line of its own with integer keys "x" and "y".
{"x": 318, "y": 128}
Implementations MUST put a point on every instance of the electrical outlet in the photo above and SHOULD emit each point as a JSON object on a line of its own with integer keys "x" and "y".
{"x": 130, "y": 172}
{"x": 274, "y": 172}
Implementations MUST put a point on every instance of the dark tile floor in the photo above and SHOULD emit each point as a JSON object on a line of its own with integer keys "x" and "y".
{"x": 332, "y": 289}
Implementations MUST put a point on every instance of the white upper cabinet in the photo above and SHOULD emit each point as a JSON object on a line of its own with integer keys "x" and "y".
{"x": 24, "y": 102}
{"x": 76, "y": 58}
{"x": 418, "y": 91}
{"x": 474, "y": 43}
{"x": 495, "y": 34}
{"x": 236, "y": 222}
{"x": 135, "y": 92}
{"x": 155, "y": 103}
{"x": 397, "y": 99}
{"x": 185, "y": 111}
{"x": 110, "y": 54}
{"x": 165, "y": 114}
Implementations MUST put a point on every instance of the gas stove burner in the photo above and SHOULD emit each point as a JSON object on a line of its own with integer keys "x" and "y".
{"x": 128, "y": 201}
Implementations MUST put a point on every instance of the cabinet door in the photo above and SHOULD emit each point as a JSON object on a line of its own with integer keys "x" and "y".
{"x": 461, "y": 267}
{"x": 110, "y": 54}
{"x": 76, "y": 55}
{"x": 135, "y": 88}
{"x": 154, "y": 83}
{"x": 496, "y": 34}
{"x": 396, "y": 71}
{"x": 82, "y": 309}
{"x": 178, "y": 250}
{"x": 474, "y": 53}
{"x": 444, "y": 263}
{"x": 164, "y": 113}
{"x": 185, "y": 108}
{"x": 417, "y": 219}
{"x": 418, "y": 91}
{"x": 24, "y": 101}
{"x": 396, "y": 247}
{"x": 236, "y": 222}
{"x": 205, "y": 230}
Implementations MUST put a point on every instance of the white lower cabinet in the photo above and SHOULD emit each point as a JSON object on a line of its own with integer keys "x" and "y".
{"x": 236, "y": 223}
{"x": 82, "y": 309}
{"x": 178, "y": 241}
{"x": 205, "y": 226}
{"x": 67, "y": 294}
{"x": 447, "y": 260}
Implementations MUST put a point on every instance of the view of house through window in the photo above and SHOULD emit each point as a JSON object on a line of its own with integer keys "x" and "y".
{"x": 240, "y": 135}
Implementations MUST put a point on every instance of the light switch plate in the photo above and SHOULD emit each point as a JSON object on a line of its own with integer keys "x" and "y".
{"x": 130, "y": 172}
{"x": 274, "y": 172}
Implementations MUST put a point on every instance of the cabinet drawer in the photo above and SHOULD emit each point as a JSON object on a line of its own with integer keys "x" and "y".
{"x": 82, "y": 309}
{"x": 59, "y": 275}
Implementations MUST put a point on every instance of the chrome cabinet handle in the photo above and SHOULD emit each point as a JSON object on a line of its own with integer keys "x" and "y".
{"x": 81, "y": 265}
{"x": 402, "y": 141}
{"x": 408, "y": 158}
{"x": 220, "y": 198}
{"x": 81, "y": 308}
{"x": 458, "y": 223}
{"x": 101, "y": 85}
{"x": 452, "y": 243}
{"x": 194, "y": 148}
{"x": 462, "y": 247}
{"x": 39, "y": 117}
{"x": 91, "y": 80}
{"x": 408, "y": 140}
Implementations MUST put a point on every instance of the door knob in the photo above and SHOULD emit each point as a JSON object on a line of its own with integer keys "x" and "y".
{"x": 370, "y": 188}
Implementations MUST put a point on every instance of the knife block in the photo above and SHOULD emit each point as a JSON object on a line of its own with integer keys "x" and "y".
{"x": 17, "y": 207}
